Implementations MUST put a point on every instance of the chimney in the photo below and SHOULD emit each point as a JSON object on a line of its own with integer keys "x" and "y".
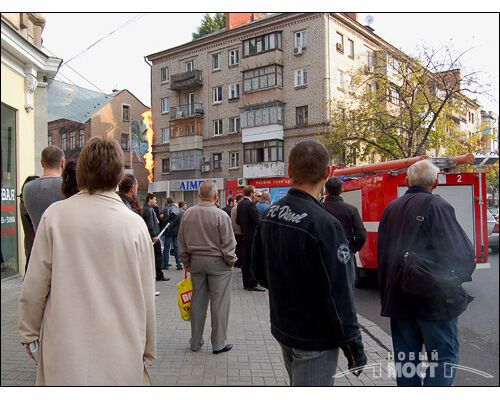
{"x": 352, "y": 15}
{"x": 233, "y": 20}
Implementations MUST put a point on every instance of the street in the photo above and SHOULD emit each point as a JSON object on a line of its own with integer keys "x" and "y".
{"x": 478, "y": 325}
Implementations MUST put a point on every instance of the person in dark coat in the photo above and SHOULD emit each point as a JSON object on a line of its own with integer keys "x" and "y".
{"x": 429, "y": 319}
{"x": 149, "y": 215}
{"x": 171, "y": 215}
{"x": 69, "y": 186}
{"x": 247, "y": 218}
{"x": 127, "y": 190}
{"x": 229, "y": 206}
{"x": 29, "y": 230}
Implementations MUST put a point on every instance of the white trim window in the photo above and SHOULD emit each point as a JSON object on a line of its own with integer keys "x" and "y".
{"x": 165, "y": 166}
{"x": 217, "y": 160}
{"x": 217, "y": 127}
{"x": 216, "y": 62}
{"x": 72, "y": 140}
{"x": 49, "y": 139}
{"x": 234, "y": 125}
{"x": 234, "y": 57}
{"x": 234, "y": 159}
{"x": 125, "y": 113}
{"x": 165, "y": 105}
{"x": 81, "y": 141}
{"x": 234, "y": 91}
{"x": 300, "y": 40}
{"x": 217, "y": 95}
{"x": 300, "y": 77}
{"x": 164, "y": 75}
{"x": 351, "y": 47}
{"x": 340, "y": 80}
{"x": 340, "y": 43}
{"x": 63, "y": 141}
{"x": 189, "y": 65}
{"x": 125, "y": 141}
{"x": 165, "y": 135}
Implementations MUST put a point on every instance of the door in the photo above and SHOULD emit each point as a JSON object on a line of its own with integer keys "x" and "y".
{"x": 190, "y": 103}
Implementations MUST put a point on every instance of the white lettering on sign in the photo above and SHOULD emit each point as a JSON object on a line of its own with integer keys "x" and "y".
{"x": 8, "y": 194}
{"x": 194, "y": 184}
{"x": 286, "y": 214}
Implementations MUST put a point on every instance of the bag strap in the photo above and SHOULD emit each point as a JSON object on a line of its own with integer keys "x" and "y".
{"x": 420, "y": 219}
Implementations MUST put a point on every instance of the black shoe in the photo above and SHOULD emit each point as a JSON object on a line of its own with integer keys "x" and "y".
{"x": 179, "y": 268}
{"x": 256, "y": 289}
{"x": 227, "y": 347}
{"x": 163, "y": 278}
{"x": 164, "y": 268}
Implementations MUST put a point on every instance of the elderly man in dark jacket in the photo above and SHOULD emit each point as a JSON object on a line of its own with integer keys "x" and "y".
{"x": 301, "y": 256}
{"x": 429, "y": 319}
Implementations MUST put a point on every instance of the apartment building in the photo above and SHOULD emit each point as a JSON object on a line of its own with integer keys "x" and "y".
{"x": 231, "y": 105}
{"x": 489, "y": 125}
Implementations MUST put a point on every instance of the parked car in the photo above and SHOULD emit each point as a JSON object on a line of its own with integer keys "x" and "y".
{"x": 492, "y": 232}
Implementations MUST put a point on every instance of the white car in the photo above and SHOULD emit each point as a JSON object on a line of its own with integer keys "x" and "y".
{"x": 492, "y": 232}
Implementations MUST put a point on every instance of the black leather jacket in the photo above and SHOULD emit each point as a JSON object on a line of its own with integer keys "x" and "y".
{"x": 149, "y": 216}
{"x": 301, "y": 255}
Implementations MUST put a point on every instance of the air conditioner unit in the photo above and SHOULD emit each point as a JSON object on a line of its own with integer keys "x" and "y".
{"x": 242, "y": 182}
{"x": 205, "y": 168}
{"x": 298, "y": 50}
{"x": 205, "y": 159}
{"x": 340, "y": 47}
{"x": 178, "y": 114}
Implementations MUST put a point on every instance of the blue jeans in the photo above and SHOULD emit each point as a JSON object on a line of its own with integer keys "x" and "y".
{"x": 310, "y": 368}
{"x": 441, "y": 337}
{"x": 166, "y": 251}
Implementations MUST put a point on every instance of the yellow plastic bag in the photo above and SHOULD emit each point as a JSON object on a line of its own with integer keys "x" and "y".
{"x": 185, "y": 291}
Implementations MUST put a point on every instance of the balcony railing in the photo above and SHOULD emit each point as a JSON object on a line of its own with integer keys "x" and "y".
{"x": 186, "y": 80}
{"x": 187, "y": 110}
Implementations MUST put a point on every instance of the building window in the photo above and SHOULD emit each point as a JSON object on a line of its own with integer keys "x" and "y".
{"x": 165, "y": 135}
{"x": 260, "y": 44}
{"x": 300, "y": 77}
{"x": 217, "y": 95}
{"x": 300, "y": 41}
{"x": 165, "y": 166}
{"x": 265, "y": 151}
{"x": 125, "y": 141}
{"x": 165, "y": 105}
{"x": 234, "y": 91}
{"x": 301, "y": 115}
{"x": 216, "y": 64}
{"x": 273, "y": 114}
{"x": 262, "y": 78}
{"x": 370, "y": 60}
{"x": 394, "y": 96}
{"x": 350, "y": 83}
{"x": 81, "y": 141}
{"x": 165, "y": 74}
{"x": 185, "y": 160}
{"x": 234, "y": 159}
{"x": 63, "y": 141}
{"x": 72, "y": 140}
{"x": 217, "y": 127}
{"x": 234, "y": 125}
{"x": 351, "y": 48}
{"x": 125, "y": 113}
{"x": 234, "y": 57}
{"x": 49, "y": 139}
{"x": 340, "y": 43}
{"x": 189, "y": 65}
{"x": 340, "y": 80}
{"x": 217, "y": 160}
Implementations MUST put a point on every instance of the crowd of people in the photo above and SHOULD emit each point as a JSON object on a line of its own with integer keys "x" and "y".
{"x": 88, "y": 294}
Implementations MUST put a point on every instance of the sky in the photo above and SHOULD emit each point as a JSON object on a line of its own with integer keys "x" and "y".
{"x": 117, "y": 61}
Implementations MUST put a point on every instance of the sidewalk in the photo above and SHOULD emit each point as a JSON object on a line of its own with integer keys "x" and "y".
{"x": 255, "y": 360}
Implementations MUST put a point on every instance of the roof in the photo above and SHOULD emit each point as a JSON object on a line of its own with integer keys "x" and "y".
{"x": 74, "y": 103}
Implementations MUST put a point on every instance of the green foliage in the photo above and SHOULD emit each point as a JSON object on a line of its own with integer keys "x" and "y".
{"x": 210, "y": 24}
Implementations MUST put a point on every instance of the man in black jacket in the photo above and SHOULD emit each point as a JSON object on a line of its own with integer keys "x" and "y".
{"x": 149, "y": 215}
{"x": 301, "y": 256}
{"x": 247, "y": 218}
{"x": 428, "y": 320}
{"x": 348, "y": 216}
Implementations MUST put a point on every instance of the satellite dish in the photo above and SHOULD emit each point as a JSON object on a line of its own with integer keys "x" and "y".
{"x": 369, "y": 20}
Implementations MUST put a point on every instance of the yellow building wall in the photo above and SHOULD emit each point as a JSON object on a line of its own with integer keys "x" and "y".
{"x": 13, "y": 96}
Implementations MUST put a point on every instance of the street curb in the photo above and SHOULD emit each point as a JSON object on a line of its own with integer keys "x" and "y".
{"x": 376, "y": 333}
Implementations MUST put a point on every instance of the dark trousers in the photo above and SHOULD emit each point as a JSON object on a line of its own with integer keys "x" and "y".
{"x": 247, "y": 273}
{"x": 158, "y": 260}
{"x": 441, "y": 337}
{"x": 239, "y": 239}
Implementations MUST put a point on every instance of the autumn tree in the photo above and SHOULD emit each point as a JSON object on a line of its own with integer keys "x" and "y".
{"x": 399, "y": 106}
{"x": 210, "y": 24}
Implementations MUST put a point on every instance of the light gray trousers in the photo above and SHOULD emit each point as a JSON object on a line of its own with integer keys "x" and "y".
{"x": 211, "y": 278}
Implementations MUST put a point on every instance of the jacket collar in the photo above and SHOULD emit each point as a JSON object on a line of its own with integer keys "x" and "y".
{"x": 417, "y": 189}
{"x": 204, "y": 203}
{"x": 334, "y": 198}
{"x": 300, "y": 193}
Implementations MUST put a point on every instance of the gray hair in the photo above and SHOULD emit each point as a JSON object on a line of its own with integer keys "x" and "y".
{"x": 423, "y": 173}
{"x": 207, "y": 190}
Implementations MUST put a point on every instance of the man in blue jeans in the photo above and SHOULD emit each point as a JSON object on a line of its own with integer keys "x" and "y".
{"x": 426, "y": 225}
{"x": 171, "y": 215}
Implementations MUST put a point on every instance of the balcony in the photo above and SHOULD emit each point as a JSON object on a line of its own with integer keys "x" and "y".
{"x": 264, "y": 170}
{"x": 262, "y": 59}
{"x": 186, "y": 80}
{"x": 187, "y": 111}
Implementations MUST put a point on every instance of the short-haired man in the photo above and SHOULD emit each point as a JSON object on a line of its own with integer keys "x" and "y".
{"x": 264, "y": 203}
{"x": 207, "y": 245}
{"x": 230, "y": 204}
{"x": 428, "y": 222}
{"x": 149, "y": 216}
{"x": 247, "y": 218}
{"x": 301, "y": 255}
{"x": 40, "y": 193}
{"x": 348, "y": 216}
{"x": 170, "y": 215}
{"x": 237, "y": 230}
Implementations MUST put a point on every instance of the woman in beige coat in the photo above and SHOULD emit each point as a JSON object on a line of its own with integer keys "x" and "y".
{"x": 88, "y": 294}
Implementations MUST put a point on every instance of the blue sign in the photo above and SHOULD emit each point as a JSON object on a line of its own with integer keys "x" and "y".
{"x": 278, "y": 193}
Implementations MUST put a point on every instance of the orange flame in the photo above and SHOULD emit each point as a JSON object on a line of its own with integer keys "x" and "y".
{"x": 148, "y": 157}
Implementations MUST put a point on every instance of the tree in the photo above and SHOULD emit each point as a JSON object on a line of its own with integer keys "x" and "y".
{"x": 401, "y": 106}
{"x": 210, "y": 24}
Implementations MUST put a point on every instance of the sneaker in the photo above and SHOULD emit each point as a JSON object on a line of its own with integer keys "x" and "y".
{"x": 157, "y": 293}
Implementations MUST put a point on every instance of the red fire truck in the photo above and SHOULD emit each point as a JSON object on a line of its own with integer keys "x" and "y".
{"x": 372, "y": 187}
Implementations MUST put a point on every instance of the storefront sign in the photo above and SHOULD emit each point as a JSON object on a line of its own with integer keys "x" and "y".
{"x": 189, "y": 185}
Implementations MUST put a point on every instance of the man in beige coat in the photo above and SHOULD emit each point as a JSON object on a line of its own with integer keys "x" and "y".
{"x": 207, "y": 245}
{"x": 88, "y": 294}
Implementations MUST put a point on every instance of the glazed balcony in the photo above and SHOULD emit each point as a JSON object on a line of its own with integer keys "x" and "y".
{"x": 186, "y": 111}
{"x": 186, "y": 80}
